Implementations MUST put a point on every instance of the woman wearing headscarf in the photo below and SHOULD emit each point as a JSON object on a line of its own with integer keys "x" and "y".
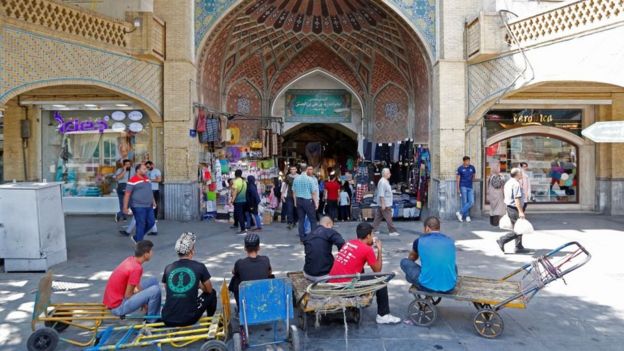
{"x": 495, "y": 185}
{"x": 253, "y": 200}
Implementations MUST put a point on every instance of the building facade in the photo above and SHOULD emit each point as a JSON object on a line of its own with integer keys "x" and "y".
{"x": 84, "y": 84}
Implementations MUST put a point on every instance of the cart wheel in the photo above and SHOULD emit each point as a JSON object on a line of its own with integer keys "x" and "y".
{"x": 58, "y": 325}
{"x": 237, "y": 340}
{"x": 482, "y": 306}
{"x": 295, "y": 338}
{"x": 44, "y": 339}
{"x": 214, "y": 345}
{"x": 422, "y": 312}
{"x": 435, "y": 300}
{"x": 488, "y": 323}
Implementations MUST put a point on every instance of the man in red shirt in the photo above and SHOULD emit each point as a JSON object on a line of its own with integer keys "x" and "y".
{"x": 126, "y": 292}
{"x": 332, "y": 190}
{"x": 351, "y": 259}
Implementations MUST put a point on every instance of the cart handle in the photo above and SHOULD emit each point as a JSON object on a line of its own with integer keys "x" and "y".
{"x": 527, "y": 267}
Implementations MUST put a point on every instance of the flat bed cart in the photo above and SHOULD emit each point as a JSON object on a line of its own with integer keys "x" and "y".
{"x": 322, "y": 297}
{"x": 491, "y": 295}
{"x": 118, "y": 333}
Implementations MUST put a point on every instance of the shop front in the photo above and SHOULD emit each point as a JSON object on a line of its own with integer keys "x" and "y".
{"x": 83, "y": 148}
{"x": 549, "y": 142}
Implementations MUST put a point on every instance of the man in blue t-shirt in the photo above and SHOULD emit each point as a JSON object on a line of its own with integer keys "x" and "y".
{"x": 465, "y": 175}
{"x": 437, "y": 270}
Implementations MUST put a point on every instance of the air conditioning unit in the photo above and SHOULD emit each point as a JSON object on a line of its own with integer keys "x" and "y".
{"x": 484, "y": 37}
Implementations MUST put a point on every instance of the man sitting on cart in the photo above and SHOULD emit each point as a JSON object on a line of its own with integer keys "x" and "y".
{"x": 182, "y": 280}
{"x": 126, "y": 292}
{"x": 437, "y": 272}
{"x": 318, "y": 250}
{"x": 252, "y": 267}
{"x": 351, "y": 259}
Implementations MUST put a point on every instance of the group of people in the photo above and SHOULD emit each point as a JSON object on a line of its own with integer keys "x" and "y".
{"x": 190, "y": 295}
{"x": 138, "y": 191}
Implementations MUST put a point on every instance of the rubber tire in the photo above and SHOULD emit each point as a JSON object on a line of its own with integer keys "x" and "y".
{"x": 493, "y": 314}
{"x": 295, "y": 338}
{"x": 44, "y": 339}
{"x": 214, "y": 345}
{"x": 418, "y": 305}
{"x": 58, "y": 326}
{"x": 237, "y": 340}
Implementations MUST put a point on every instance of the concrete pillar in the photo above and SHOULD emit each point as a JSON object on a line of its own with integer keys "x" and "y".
{"x": 180, "y": 150}
{"x": 610, "y": 170}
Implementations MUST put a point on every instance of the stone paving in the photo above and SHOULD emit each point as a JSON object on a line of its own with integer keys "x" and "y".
{"x": 585, "y": 314}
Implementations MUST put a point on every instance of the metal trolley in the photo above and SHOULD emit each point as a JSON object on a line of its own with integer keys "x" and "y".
{"x": 118, "y": 333}
{"x": 322, "y": 297}
{"x": 489, "y": 296}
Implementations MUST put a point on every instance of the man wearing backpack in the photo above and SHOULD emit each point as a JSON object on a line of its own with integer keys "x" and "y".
{"x": 239, "y": 199}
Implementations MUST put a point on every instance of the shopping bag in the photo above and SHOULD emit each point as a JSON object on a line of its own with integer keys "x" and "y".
{"x": 523, "y": 227}
{"x": 505, "y": 223}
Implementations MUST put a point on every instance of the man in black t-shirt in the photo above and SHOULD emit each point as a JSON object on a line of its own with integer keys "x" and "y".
{"x": 318, "y": 250}
{"x": 182, "y": 279}
{"x": 253, "y": 267}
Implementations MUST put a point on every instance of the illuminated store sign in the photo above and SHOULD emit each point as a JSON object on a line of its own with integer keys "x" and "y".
{"x": 76, "y": 125}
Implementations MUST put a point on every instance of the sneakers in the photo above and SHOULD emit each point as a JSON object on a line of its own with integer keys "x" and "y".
{"x": 152, "y": 233}
{"x": 459, "y": 216}
{"x": 501, "y": 245}
{"x": 394, "y": 234}
{"x": 468, "y": 219}
{"x": 133, "y": 239}
{"x": 387, "y": 319}
{"x": 124, "y": 233}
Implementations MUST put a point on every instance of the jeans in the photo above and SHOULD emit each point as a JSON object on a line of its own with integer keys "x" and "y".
{"x": 411, "y": 270}
{"x": 121, "y": 192}
{"x": 467, "y": 200}
{"x": 256, "y": 219}
{"x": 157, "y": 199}
{"x": 344, "y": 213}
{"x": 205, "y": 303}
{"x": 289, "y": 208}
{"x": 305, "y": 207}
{"x": 144, "y": 217}
{"x": 239, "y": 213}
{"x": 332, "y": 209}
{"x": 130, "y": 228}
{"x": 149, "y": 295}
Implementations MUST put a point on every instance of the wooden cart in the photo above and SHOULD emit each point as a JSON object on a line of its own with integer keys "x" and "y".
{"x": 491, "y": 295}
{"x": 322, "y": 297}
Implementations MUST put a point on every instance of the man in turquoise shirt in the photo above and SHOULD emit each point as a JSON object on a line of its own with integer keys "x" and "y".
{"x": 306, "y": 196}
{"x": 437, "y": 271}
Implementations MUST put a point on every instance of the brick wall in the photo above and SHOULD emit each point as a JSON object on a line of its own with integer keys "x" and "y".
{"x": 390, "y": 116}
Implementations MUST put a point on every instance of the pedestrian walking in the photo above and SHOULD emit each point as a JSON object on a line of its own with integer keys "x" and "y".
{"x": 465, "y": 176}
{"x": 230, "y": 192}
{"x": 252, "y": 202}
{"x": 288, "y": 200}
{"x": 384, "y": 199}
{"x": 239, "y": 199}
{"x": 515, "y": 209}
{"x": 132, "y": 225}
{"x": 140, "y": 199}
{"x": 306, "y": 196}
{"x": 525, "y": 183}
{"x": 155, "y": 177}
{"x": 122, "y": 175}
{"x": 345, "y": 203}
{"x": 495, "y": 195}
{"x": 332, "y": 193}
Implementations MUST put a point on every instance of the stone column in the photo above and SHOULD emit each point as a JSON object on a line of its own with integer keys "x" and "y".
{"x": 180, "y": 150}
{"x": 610, "y": 175}
{"x": 449, "y": 99}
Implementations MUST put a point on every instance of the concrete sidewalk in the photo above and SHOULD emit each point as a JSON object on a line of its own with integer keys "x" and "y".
{"x": 587, "y": 313}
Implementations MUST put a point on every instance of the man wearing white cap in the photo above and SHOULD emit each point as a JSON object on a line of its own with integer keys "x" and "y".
{"x": 182, "y": 280}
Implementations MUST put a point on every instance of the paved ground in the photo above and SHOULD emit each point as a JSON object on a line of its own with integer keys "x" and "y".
{"x": 586, "y": 314}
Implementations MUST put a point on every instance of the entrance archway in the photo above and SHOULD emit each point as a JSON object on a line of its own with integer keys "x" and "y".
{"x": 337, "y": 144}
{"x": 259, "y": 48}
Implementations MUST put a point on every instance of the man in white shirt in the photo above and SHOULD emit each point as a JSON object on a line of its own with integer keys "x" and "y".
{"x": 514, "y": 200}
{"x": 383, "y": 198}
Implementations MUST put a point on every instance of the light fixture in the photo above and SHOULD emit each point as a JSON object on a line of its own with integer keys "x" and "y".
{"x": 59, "y": 106}
{"x": 122, "y": 105}
{"x": 90, "y": 105}
{"x": 136, "y": 23}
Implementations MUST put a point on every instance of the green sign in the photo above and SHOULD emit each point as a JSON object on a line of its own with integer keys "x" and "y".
{"x": 318, "y": 106}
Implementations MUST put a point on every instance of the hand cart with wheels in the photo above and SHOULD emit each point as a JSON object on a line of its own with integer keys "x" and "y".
{"x": 322, "y": 297}
{"x": 489, "y": 296}
{"x": 263, "y": 302}
{"x": 120, "y": 334}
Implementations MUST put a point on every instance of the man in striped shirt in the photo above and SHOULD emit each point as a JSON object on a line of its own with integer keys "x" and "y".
{"x": 140, "y": 199}
{"x": 306, "y": 196}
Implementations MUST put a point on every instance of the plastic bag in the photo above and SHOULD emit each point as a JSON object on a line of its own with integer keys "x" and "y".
{"x": 523, "y": 227}
{"x": 505, "y": 223}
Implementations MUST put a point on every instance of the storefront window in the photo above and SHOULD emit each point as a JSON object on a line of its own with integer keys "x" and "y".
{"x": 84, "y": 148}
{"x": 552, "y": 166}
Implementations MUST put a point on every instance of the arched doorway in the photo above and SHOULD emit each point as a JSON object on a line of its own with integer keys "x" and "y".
{"x": 257, "y": 50}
